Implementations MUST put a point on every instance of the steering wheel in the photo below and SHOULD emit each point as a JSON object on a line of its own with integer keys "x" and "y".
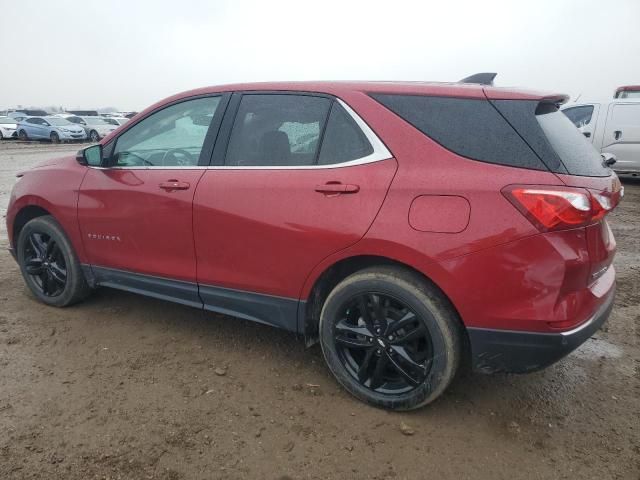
{"x": 134, "y": 163}
{"x": 185, "y": 161}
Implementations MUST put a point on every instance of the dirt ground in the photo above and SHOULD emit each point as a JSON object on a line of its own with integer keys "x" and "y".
{"x": 126, "y": 387}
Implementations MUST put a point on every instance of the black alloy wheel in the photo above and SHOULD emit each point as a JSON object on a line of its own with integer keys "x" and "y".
{"x": 383, "y": 344}
{"x": 390, "y": 337}
{"x": 49, "y": 264}
{"x": 45, "y": 263}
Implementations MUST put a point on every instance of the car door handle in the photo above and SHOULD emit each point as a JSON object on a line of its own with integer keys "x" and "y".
{"x": 336, "y": 188}
{"x": 617, "y": 134}
{"x": 171, "y": 185}
{"x": 587, "y": 134}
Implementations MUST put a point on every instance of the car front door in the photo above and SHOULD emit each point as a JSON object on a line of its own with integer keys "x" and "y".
{"x": 622, "y": 136}
{"x": 135, "y": 215}
{"x": 302, "y": 178}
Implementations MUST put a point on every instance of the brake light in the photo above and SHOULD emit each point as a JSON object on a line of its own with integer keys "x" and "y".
{"x": 557, "y": 208}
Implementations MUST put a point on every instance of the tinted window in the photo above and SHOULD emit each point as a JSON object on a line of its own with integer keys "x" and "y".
{"x": 277, "y": 130}
{"x": 576, "y": 152}
{"x": 174, "y": 136}
{"x": 472, "y": 128}
{"x": 579, "y": 116}
{"x": 343, "y": 140}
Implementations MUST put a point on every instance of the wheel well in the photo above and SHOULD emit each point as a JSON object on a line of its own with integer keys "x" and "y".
{"x": 26, "y": 214}
{"x": 338, "y": 272}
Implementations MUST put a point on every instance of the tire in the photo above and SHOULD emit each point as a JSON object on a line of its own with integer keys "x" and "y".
{"x": 93, "y": 136}
{"x": 418, "y": 348}
{"x": 44, "y": 252}
{"x": 22, "y": 135}
{"x": 1, "y": 136}
{"x": 55, "y": 138}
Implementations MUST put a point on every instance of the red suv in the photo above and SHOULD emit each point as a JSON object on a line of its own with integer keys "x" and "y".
{"x": 407, "y": 227}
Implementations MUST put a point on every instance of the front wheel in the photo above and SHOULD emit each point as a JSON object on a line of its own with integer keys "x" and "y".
{"x": 390, "y": 338}
{"x": 55, "y": 138}
{"x": 48, "y": 263}
{"x": 22, "y": 135}
{"x": 93, "y": 136}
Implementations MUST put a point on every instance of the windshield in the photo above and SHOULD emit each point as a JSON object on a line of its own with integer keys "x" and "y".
{"x": 57, "y": 121}
{"x": 94, "y": 121}
{"x": 7, "y": 120}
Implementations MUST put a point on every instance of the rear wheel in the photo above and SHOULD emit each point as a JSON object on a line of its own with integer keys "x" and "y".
{"x": 1, "y": 135}
{"x": 93, "y": 136}
{"x": 48, "y": 263}
{"x": 22, "y": 135}
{"x": 54, "y": 137}
{"x": 390, "y": 338}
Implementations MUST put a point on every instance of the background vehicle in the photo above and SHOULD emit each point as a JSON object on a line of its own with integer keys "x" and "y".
{"x": 116, "y": 120}
{"x": 404, "y": 226}
{"x": 612, "y": 127}
{"x": 28, "y": 113}
{"x": 84, "y": 113}
{"x": 8, "y": 128}
{"x": 628, "y": 91}
{"x": 95, "y": 127}
{"x": 51, "y": 128}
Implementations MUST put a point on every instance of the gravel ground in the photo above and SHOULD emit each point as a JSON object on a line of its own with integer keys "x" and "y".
{"x": 126, "y": 387}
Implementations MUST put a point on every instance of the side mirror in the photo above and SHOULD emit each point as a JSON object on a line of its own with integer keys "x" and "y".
{"x": 608, "y": 159}
{"x": 90, "y": 156}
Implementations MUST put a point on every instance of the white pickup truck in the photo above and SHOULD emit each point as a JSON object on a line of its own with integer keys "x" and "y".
{"x": 613, "y": 126}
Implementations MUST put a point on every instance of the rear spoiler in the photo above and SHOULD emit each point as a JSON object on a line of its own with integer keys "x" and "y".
{"x": 485, "y": 78}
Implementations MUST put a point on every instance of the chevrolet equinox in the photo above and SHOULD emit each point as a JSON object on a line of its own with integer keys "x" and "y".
{"x": 409, "y": 228}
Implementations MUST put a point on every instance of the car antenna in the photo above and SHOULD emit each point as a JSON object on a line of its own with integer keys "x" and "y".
{"x": 485, "y": 78}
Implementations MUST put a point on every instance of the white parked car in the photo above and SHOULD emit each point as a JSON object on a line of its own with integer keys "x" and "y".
{"x": 613, "y": 126}
{"x": 117, "y": 121}
{"x": 96, "y": 127}
{"x": 8, "y": 128}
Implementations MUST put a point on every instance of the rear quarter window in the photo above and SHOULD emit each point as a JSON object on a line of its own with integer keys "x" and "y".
{"x": 577, "y": 154}
{"x": 472, "y": 128}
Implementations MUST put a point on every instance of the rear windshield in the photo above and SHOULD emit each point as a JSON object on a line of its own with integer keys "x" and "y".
{"x": 576, "y": 153}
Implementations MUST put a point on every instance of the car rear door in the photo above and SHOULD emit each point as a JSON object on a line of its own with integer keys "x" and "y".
{"x": 622, "y": 135}
{"x": 136, "y": 215}
{"x": 299, "y": 177}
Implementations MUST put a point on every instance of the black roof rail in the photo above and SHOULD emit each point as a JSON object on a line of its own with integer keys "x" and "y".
{"x": 485, "y": 78}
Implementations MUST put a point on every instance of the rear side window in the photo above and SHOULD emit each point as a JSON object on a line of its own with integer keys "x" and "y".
{"x": 277, "y": 130}
{"x": 579, "y": 116}
{"x": 472, "y": 128}
{"x": 343, "y": 140}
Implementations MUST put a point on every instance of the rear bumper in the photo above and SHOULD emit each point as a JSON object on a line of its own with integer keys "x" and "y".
{"x": 522, "y": 352}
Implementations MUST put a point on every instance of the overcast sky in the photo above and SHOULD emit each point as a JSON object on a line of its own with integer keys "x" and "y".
{"x": 129, "y": 53}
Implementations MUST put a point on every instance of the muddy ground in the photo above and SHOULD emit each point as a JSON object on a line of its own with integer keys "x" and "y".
{"x": 128, "y": 387}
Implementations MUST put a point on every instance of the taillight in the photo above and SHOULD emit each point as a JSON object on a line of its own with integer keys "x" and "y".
{"x": 557, "y": 208}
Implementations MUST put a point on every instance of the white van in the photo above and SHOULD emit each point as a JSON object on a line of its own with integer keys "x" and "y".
{"x": 612, "y": 126}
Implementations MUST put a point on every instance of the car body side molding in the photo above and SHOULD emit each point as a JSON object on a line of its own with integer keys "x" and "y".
{"x": 272, "y": 310}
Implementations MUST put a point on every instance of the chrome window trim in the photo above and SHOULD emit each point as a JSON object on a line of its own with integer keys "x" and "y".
{"x": 380, "y": 152}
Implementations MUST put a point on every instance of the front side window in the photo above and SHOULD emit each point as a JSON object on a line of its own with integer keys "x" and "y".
{"x": 173, "y": 136}
{"x": 277, "y": 130}
{"x": 579, "y": 116}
